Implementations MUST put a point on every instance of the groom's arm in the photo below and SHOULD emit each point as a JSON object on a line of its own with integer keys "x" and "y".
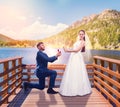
{"x": 45, "y": 57}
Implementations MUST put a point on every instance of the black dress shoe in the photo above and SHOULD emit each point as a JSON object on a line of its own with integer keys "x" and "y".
{"x": 25, "y": 86}
{"x": 51, "y": 91}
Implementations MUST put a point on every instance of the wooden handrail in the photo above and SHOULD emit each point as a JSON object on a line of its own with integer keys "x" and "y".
{"x": 11, "y": 77}
{"x": 104, "y": 75}
{"x": 9, "y": 59}
{"x": 107, "y": 78}
{"x": 28, "y": 71}
{"x": 107, "y": 59}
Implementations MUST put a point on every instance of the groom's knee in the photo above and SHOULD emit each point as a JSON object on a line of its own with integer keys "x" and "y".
{"x": 55, "y": 73}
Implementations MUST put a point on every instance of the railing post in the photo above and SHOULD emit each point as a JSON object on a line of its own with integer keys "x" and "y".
{"x": 102, "y": 64}
{"x": 118, "y": 72}
{"x": 28, "y": 74}
{"x": 13, "y": 73}
{"x": 95, "y": 62}
{"x": 6, "y": 67}
{"x": 110, "y": 67}
{"x": 20, "y": 70}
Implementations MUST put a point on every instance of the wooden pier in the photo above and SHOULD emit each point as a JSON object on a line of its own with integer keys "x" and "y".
{"x": 104, "y": 75}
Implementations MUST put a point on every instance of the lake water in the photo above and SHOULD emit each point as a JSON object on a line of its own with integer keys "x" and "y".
{"x": 29, "y": 54}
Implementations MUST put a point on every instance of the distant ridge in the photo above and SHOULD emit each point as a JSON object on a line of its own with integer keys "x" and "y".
{"x": 104, "y": 15}
{"x": 4, "y": 38}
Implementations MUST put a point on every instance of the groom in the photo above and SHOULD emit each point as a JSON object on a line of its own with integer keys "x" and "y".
{"x": 42, "y": 71}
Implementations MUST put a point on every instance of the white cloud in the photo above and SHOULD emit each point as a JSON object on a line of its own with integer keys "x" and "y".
{"x": 38, "y": 30}
{"x": 16, "y": 25}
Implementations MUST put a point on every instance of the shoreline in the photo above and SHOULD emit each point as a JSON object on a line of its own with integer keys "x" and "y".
{"x": 58, "y": 47}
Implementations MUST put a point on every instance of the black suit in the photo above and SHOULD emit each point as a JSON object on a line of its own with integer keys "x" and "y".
{"x": 42, "y": 71}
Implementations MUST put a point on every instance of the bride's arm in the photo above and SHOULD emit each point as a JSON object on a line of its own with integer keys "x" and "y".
{"x": 75, "y": 50}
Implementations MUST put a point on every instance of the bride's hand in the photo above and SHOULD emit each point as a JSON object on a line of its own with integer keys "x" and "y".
{"x": 65, "y": 49}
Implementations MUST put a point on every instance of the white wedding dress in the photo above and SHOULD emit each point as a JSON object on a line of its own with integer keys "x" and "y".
{"x": 75, "y": 79}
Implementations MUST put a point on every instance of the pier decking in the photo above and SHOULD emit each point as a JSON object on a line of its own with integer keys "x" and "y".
{"x": 38, "y": 98}
{"x": 104, "y": 75}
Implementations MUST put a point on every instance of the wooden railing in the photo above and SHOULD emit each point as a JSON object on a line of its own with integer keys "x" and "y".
{"x": 107, "y": 78}
{"x": 104, "y": 75}
{"x": 28, "y": 73}
{"x": 10, "y": 77}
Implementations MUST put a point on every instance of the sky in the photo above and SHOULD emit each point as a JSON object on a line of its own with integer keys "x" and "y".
{"x": 37, "y": 19}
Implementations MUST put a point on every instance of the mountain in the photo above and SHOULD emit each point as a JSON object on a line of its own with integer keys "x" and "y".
{"x": 4, "y": 38}
{"x": 103, "y": 30}
{"x": 105, "y": 15}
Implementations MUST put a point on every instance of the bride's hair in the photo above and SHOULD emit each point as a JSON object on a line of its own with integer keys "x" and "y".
{"x": 86, "y": 50}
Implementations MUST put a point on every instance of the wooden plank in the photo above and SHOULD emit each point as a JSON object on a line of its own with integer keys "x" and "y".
{"x": 107, "y": 71}
{"x": 97, "y": 105}
{"x": 108, "y": 79}
{"x": 109, "y": 88}
{"x": 10, "y": 59}
{"x": 107, "y": 59}
{"x": 40, "y": 98}
{"x": 107, "y": 94}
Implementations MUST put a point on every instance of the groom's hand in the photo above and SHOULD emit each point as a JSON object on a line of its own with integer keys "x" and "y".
{"x": 58, "y": 53}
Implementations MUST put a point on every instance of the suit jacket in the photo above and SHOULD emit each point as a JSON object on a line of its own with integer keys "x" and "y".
{"x": 42, "y": 60}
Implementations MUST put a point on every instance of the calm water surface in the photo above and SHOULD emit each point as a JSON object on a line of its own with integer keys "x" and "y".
{"x": 29, "y": 54}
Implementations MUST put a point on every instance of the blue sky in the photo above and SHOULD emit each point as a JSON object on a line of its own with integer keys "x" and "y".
{"x": 35, "y": 19}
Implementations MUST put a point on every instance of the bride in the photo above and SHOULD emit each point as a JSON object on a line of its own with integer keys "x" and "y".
{"x": 75, "y": 80}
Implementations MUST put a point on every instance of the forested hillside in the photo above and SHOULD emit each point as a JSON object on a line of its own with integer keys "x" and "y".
{"x": 103, "y": 30}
